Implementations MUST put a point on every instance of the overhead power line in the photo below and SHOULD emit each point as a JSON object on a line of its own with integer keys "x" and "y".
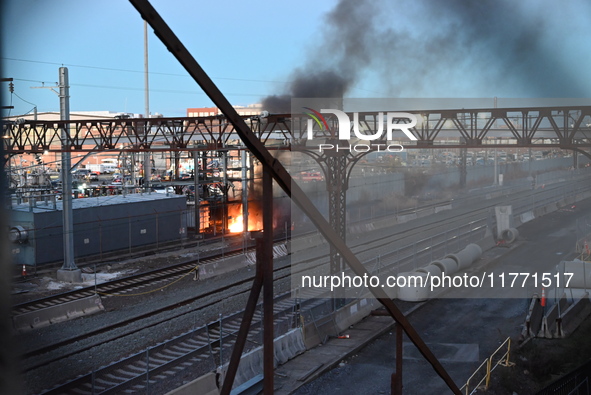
{"x": 132, "y": 71}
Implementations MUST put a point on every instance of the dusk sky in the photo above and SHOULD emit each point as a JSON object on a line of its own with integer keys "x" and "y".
{"x": 414, "y": 49}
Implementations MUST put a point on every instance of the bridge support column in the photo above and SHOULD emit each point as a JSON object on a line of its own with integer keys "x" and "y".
{"x": 336, "y": 184}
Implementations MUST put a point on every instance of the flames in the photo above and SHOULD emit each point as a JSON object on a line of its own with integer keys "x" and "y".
{"x": 236, "y": 220}
{"x": 236, "y": 224}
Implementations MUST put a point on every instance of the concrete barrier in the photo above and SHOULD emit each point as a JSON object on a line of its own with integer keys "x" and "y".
{"x": 581, "y": 271}
{"x": 549, "y": 322}
{"x": 526, "y": 217}
{"x": 424, "y": 212}
{"x": 319, "y": 330}
{"x": 384, "y": 223}
{"x": 204, "y": 385}
{"x": 354, "y": 312}
{"x": 551, "y": 208}
{"x": 285, "y": 348}
{"x": 212, "y": 269}
{"x": 208, "y": 270}
{"x": 289, "y": 345}
{"x": 251, "y": 365}
{"x": 361, "y": 228}
{"x": 279, "y": 250}
{"x": 442, "y": 208}
{"x": 254, "y": 386}
{"x": 315, "y": 333}
{"x": 573, "y": 316}
{"x": 58, "y": 313}
{"x": 540, "y": 211}
{"x": 533, "y": 321}
{"x": 405, "y": 218}
{"x": 304, "y": 243}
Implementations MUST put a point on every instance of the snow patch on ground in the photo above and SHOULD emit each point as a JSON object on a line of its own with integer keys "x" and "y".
{"x": 88, "y": 279}
{"x": 52, "y": 285}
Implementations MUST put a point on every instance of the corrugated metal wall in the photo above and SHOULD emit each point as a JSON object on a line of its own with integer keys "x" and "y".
{"x": 101, "y": 229}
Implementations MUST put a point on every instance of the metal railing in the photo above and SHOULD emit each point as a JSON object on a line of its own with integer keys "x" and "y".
{"x": 574, "y": 383}
{"x": 497, "y": 358}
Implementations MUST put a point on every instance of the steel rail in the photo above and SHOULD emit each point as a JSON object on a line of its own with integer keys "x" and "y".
{"x": 389, "y": 266}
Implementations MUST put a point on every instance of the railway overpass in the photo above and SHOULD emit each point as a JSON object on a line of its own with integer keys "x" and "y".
{"x": 565, "y": 127}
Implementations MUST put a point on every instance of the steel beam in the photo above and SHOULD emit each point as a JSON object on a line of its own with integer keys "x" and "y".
{"x": 577, "y": 149}
{"x": 398, "y": 382}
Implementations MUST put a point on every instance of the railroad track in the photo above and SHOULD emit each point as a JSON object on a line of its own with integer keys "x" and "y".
{"x": 383, "y": 241}
{"x": 125, "y": 285}
{"x": 156, "y": 277}
{"x": 41, "y": 362}
{"x": 201, "y": 350}
{"x": 424, "y": 246}
{"x": 160, "y": 276}
{"x": 136, "y": 282}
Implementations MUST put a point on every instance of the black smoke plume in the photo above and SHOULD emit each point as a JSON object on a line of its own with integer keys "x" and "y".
{"x": 335, "y": 66}
{"x": 443, "y": 48}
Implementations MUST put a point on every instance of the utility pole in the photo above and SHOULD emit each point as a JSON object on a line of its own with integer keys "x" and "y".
{"x": 244, "y": 160}
{"x": 196, "y": 186}
{"x": 496, "y": 179}
{"x": 69, "y": 271}
{"x": 11, "y": 88}
{"x": 147, "y": 159}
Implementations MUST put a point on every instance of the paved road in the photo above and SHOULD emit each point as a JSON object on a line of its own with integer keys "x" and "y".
{"x": 461, "y": 331}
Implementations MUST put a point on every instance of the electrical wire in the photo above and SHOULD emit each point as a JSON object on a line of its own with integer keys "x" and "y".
{"x": 139, "y": 89}
{"x": 194, "y": 269}
{"x": 134, "y": 71}
{"x": 161, "y": 90}
{"x": 163, "y": 74}
{"x": 28, "y": 102}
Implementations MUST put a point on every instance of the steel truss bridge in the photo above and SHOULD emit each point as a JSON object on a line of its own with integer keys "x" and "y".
{"x": 566, "y": 127}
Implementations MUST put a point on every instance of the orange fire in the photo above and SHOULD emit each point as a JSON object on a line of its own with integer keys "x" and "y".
{"x": 237, "y": 225}
{"x": 236, "y": 221}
